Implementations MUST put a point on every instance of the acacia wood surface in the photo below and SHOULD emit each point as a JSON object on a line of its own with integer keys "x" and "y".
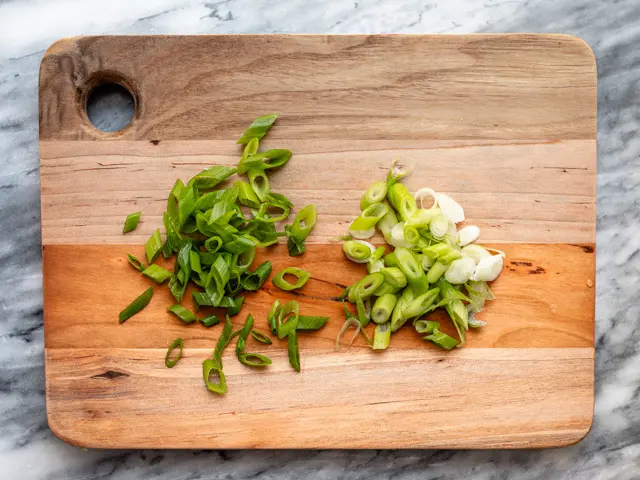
{"x": 504, "y": 123}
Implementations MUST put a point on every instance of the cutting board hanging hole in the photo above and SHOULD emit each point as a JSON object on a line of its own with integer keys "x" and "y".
{"x": 110, "y": 107}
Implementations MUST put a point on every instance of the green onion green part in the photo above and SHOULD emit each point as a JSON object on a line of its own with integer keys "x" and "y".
{"x": 131, "y": 222}
{"x": 137, "y": 305}
{"x": 182, "y": 313}
{"x": 280, "y": 281}
{"x": 156, "y": 273}
{"x": 177, "y": 343}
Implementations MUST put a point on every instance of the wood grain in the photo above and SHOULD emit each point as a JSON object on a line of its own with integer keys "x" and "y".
{"x": 504, "y": 123}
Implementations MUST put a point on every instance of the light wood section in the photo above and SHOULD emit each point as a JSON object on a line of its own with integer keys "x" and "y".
{"x": 87, "y": 286}
{"x": 504, "y": 123}
{"x": 515, "y": 192}
{"x": 468, "y": 398}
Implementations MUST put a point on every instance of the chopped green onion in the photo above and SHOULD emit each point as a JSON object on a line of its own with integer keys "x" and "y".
{"x": 376, "y": 193}
{"x": 436, "y": 271}
{"x": 307, "y": 323}
{"x": 409, "y": 265}
{"x": 439, "y": 227}
{"x": 212, "y": 176}
{"x": 278, "y": 199}
{"x": 391, "y": 260}
{"x": 246, "y": 195}
{"x": 153, "y": 246}
{"x": 209, "y": 366}
{"x": 136, "y": 262}
{"x": 280, "y": 282}
{"x": 442, "y": 340}
{"x": 382, "y": 336}
{"x": 242, "y": 261}
{"x": 182, "y": 313}
{"x": 460, "y": 271}
{"x": 264, "y": 160}
{"x": 156, "y": 273}
{"x": 255, "y": 279}
{"x": 363, "y": 226}
{"x": 258, "y": 128}
{"x": 299, "y": 230}
{"x": 394, "y": 277}
{"x": 223, "y": 341}
{"x": 260, "y": 183}
{"x": 261, "y": 337}
{"x": 358, "y": 251}
{"x": 209, "y": 321}
{"x": 213, "y": 244}
{"x": 137, "y": 305}
{"x": 287, "y": 319}
{"x": 368, "y": 285}
{"x": 273, "y": 315}
{"x": 254, "y": 360}
{"x": 177, "y": 343}
{"x": 426, "y": 326}
{"x": 293, "y": 350}
{"x": 244, "y": 334}
{"x": 131, "y": 222}
{"x": 421, "y": 304}
{"x": 386, "y": 224}
{"x": 398, "y": 317}
{"x": 383, "y": 308}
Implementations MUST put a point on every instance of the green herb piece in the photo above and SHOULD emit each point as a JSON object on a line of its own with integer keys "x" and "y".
{"x": 362, "y": 226}
{"x": 254, "y": 360}
{"x": 137, "y": 305}
{"x": 261, "y": 337}
{"x": 266, "y": 212}
{"x": 213, "y": 244}
{"x": 258, "y": 128}
{"x": 421, "y": 304}
{"x": 255, "y": 279}
{"x": 357, "y": 251}
{"x": 156, "y": 273}
{"x": 209, "y": 321}
{"x": 212, "y": 176}
{"x": 177, "y": 343}
{"x": 272, "y": 316}
{"x": 412, "y": 269}
{"x": 280, "y": 282}
{"x": 153, "y": 246}
{"x": 376, "y": 193}
{"x": 182, "y": 313}
{"x": 136, "y": 262}
{"x": 382, "y": 336}
{"x": 223, "y": 341}
{"x": 293, "y": 350}
{"x": 131, "y": 222}
{"x": 264, "y": 160}
{"x": 308, "y": 323}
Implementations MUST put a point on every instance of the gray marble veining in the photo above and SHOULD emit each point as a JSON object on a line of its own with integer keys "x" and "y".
{"x": 612, "y": 27}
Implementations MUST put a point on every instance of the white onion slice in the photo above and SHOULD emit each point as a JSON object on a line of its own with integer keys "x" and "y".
{"x": 468, "y": 235}
{"x": 451, "y": 209}
{"x": 488, "y": 269}
{"x": 424, "y": 193}
{"x": 363, "y": 234}
{"x": 439, "y": 226}
{"x": 459, "y": 271}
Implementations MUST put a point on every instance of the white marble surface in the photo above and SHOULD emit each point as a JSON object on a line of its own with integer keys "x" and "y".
{"x": 612, "y": 27}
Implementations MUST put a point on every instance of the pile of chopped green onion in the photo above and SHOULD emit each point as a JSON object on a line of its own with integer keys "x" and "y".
{"x": 432, "y": 265}
{"x": 213, "y": 233}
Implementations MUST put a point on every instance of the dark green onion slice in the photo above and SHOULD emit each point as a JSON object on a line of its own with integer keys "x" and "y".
{"x": 137, "y": 305}
{"x": 232, "y": 304}
{"x": 254, "y": 360}
{"x": 244, "y": 334}
{"x": 272, "y": 316}
{"x": 310, "y": 323}
{"x": 157, "y": 273}
{"x": 259, "y": 183}
{"x": 246, "y": 195}
{"x": 182, "y": 313}
{"x": 177, "y": 343}
{"x": 209, "y": 366}
{"x": 266, "y": 214}
{"x": 280, "y": 282}
{"x": 131, "y": 222}
{"x": 223, "y": 341}
{"x": 212, "y": 176}
{"x": 194, "y": 262}
{"x": 258, "y": 128}
{"x": 153, "y": 246}
{"x": 261, "y": 337}
{"x": 293, "y": 350}
{"x": 299, "y": 230}
{"x": 209, "y": 321}
{"x": 287, "y": 320}
{"x": 442, "y": 340}
{"x": 278, "y": 199}
{"x": 213, "y": 244}
{"x": 255, "y": 279}
{"x": 135, "y": 262}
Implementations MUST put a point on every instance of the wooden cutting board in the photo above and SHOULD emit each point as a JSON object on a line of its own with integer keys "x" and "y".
{"x": 506, "y": 124}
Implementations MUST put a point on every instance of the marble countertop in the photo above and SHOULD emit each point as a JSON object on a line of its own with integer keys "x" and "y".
{"x": 28, "y": 450}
